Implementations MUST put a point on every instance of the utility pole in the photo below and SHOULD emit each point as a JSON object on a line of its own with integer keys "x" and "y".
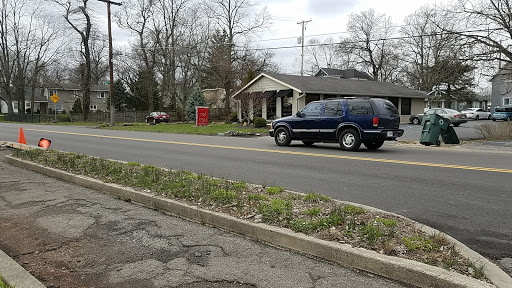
{"x": 303, "y": 23}
{"x": 110, "y": 62}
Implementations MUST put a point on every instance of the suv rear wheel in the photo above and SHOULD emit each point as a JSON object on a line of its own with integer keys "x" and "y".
{"x": 349, "y": 140}
{"x": 282, "y": 137}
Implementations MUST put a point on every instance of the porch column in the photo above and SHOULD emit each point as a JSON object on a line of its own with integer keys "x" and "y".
{"x": 264, "y": 108}
{"x": 279, "y": 108}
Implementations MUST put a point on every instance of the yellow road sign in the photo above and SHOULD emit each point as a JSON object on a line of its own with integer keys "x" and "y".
{"x": 55, "y": 98}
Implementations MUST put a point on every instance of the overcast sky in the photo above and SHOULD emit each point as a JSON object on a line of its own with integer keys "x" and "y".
{"x": 327, "y": 17}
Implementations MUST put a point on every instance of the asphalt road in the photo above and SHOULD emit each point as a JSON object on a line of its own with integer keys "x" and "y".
{"x": 471, "y": 205}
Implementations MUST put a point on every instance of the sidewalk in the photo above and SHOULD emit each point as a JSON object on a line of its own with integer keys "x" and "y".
{"x": 69, "y": 236}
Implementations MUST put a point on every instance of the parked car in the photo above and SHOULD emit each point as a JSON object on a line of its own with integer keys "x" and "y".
{"x": 456, "y": 118}
{"x": 502, "y": 113}
{"x": 348, "y": 121}
{"x": 157, "y": 117}
{"x": 476, "y": 113}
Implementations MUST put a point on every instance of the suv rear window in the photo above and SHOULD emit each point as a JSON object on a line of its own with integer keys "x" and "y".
{"x": 359, "y": 107}
{"x": 385, "y": 107}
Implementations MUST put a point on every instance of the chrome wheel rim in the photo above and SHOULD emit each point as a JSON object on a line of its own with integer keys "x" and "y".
{"x": 348, "y": 140}
{"x": 281, "y": 137}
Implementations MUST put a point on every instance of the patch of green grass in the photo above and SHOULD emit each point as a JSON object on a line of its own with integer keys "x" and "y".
{"x": 315, "y": 198}
{"x": 390, "y": 223}
{"x": 274, "y": 190}
{"x": 315, "y": 211}
{"x": 308, "y": 226}
{"x": 417, "y": 242}
{"x": 478, "y": 270}
{"x": 257, "y": 197}
{"x": 353, "y": 210}
{"x": 190, "y": 128}
{"x": 371, "y": 233}
{"x": 276, "y": 211}
{"x": 240, "y": 186}
{"x": 3, "y": 285}
{"x": 222, "y": 196}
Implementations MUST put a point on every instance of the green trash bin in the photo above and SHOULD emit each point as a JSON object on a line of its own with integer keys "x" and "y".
{"x": 433, "y": 126}
{"x": 449, "y": 136}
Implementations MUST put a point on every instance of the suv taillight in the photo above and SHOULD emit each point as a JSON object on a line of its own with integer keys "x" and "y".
{"x": 375, "y": 121}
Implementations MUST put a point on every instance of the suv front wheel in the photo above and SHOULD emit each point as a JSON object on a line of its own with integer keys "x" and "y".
{"x": 349, "y": 140}
{"x": 282, "y": 137}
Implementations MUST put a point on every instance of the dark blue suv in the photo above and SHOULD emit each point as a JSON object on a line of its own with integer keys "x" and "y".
{"x": 349, "y": 121}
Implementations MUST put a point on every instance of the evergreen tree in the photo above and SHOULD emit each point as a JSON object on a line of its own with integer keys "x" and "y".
{"x": 120, "y": 95}
{"x": 77, "y": 107}
{"x": 197, "y": 99}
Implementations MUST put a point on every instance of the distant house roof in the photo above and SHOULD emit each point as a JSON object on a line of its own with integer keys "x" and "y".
{"x": 38, "y": 95}
{"x": 75, "y": 87}
{"x": 505, "y": 70}
{"x": 338, "y": 86}
{"x": 346, "y": 74}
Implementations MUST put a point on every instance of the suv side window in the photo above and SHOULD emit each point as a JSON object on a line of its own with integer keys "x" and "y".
{"x": 359, "y": 107}
{"x": 332, "y": 108}
{"x": 312, "y": 109}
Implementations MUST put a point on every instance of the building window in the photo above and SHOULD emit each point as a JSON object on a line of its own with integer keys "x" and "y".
{"x": 93, "y": 107}
{"x": 271, "y": 107}
{"x": 58, "y": 107}
{"x": 102, "y": 95}
{"x": 405, "y": 107}
{"x": 286, "y": 106}
{"x": 507, "y": 101}
{"x": 75, "y": 94}
{"x": 52, "y": 92}
{"x": 15, "y": 105}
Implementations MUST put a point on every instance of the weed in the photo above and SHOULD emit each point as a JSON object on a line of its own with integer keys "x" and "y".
{"x": 351, "y": 227}
{"x": 478, "y": 270}
{"x": 257, "y": 197}
{"x": 222, "y": 196}
{"x": 275, "y": 211}
{"x": 313, "y": 197}
{"x": 389, "y": 223}
{"x": 274, "y": 190}
{"x": 371, "y": 233}
{"x": 418, "y": 242}
{"x": 389, "y": 248}
{"x": 240, "y": 186}
{"x": 353, "y": 210}
{"x": 304, "y": 226}
{"x": 133, "y": 164}
{"x": 315, "y": 211}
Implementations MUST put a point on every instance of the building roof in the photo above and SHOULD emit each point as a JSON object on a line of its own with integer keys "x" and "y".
{"x": 75, "y": 87}
{"x": 38, "y": 95}
{"x": 339, "y": 87}
{"x": 347, "y": 73}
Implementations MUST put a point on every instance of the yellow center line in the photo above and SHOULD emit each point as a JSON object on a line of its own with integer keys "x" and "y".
{"x": 476, "y": 168}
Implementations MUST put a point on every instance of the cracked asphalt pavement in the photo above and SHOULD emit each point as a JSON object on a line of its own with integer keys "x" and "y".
{"x": 70, "y": 236}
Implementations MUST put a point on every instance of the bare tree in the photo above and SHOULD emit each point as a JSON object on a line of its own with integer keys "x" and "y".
{"x": 233, "y": 16}
{"x": 6, "y": 58}
{"x": 77, "y": 15}
{"x": 369, "y": 40}
{"x": 137, "y": 16}
{"x": 326, "y": 54}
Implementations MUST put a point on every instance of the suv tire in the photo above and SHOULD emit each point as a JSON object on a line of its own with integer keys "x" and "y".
{"x": 373, "y": 145}
{"x": 349, "y": 140}
{"x": 282, "y": 137}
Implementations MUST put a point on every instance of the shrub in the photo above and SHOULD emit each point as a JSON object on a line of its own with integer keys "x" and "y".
{"x": 274, "y": 190}
{"x": 232, "y": 117}
{"x": 495, "y": 131}
{"x": 259, "y": 122}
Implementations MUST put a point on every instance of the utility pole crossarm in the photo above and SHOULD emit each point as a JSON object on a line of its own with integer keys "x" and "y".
{"x": 111, "y": 2}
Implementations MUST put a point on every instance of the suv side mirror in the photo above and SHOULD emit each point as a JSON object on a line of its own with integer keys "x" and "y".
{"x": 299, "y": 114}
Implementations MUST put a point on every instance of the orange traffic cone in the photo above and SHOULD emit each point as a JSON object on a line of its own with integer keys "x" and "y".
{"x": 45, "y": 143}
{"x": 21, "y": 138}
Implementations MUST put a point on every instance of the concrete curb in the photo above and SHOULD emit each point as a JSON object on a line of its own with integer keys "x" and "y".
{"x": 403, "y": 270}
{"x": 14, "y": 275}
